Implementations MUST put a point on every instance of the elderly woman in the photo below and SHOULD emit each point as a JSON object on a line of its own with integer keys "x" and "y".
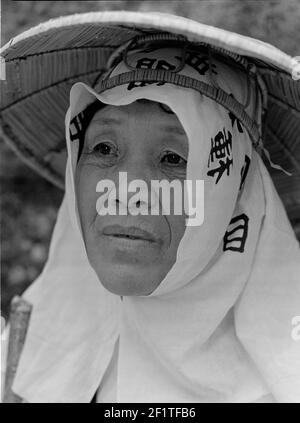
{"x": 138, "y": 306}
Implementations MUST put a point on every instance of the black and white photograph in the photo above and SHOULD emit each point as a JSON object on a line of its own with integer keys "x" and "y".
{"x": 150, "y": 204}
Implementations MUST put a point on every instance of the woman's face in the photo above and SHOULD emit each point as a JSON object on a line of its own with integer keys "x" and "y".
{"x": 131, "y": 254}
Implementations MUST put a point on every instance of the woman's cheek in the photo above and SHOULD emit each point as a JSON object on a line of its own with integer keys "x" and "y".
{"x": 177, "y": 227}
{"x": 86, "y": 183}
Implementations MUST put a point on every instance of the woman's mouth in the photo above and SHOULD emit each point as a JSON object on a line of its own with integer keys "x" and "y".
{"x": 132, "y": 233}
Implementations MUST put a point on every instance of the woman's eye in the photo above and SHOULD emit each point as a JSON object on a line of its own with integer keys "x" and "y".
{"x": 105, "y": 149}
{"x": 172, "y": 159}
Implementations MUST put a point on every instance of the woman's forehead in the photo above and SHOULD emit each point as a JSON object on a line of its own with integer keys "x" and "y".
{"x": 138, "y": 111}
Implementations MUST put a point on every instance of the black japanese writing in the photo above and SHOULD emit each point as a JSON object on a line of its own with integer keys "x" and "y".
{"x": 244, "y": 171}
{"x": 150, "y": 63}
{"x": 76, "y": 126}
{"x": 220, "y": 154}
{"x": 199, "y": 62}
{"x": 236, "y": 235}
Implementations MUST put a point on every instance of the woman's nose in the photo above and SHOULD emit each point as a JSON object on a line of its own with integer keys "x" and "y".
{"x": 133, "y": 192}
{"x": 133, "y": 180}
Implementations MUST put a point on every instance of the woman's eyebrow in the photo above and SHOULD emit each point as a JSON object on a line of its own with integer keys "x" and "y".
{"x": 106, "y": 121}
{"x": 171, "y": 129}
{"x": 102, "y": 121}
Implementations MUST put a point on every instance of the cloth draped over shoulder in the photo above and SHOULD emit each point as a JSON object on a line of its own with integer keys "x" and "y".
{"x": 218, "y": 328}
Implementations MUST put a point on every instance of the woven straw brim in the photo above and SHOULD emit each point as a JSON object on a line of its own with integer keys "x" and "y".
{"x": 43, "y": 63}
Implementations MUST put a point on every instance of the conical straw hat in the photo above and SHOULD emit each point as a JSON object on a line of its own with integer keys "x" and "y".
{"x": 42, "y": 63}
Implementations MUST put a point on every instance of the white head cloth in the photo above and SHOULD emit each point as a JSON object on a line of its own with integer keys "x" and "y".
{"x": 218, "y": 327}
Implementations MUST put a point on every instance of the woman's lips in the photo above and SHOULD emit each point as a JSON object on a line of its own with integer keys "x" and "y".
{"x": 131, "y": 233}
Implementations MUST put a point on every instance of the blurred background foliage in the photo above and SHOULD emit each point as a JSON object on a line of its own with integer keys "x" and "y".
{"x": 29, "y": 203}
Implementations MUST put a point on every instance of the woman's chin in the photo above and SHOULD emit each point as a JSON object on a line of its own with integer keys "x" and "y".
{"x": 127, "y": 280}
{"x": 129, "y": 267}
